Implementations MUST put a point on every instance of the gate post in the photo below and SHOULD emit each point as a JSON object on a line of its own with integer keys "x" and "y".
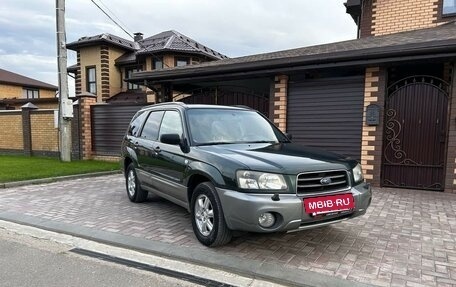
{"x": 27, "y": 128}
{"x": 85, "y": 101}
{"x": 279, "y": 112}
{"x": 372, "y": 136}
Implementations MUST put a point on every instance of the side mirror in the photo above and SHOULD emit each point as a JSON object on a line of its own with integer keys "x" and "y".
{"x": 173, "y": 139}
{"x": 289, "y": 136}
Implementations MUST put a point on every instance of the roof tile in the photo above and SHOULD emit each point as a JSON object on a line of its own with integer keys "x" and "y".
{"x": 19, "y": 80}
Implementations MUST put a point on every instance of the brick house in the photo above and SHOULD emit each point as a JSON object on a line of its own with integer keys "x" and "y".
{"x": 17, "y": 90}
{"x": 105, "y": 61}
{"x": 386, "y": 98}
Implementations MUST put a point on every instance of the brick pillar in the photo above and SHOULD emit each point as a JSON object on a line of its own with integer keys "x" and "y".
{"x": 280, "y": 102}
{"x": 27, "y": 128}
{"x": 85, "y": 101}
{"x": 372, "y": 136}
{"x": 76, "y": 133}
{"x": 450, "y": 176}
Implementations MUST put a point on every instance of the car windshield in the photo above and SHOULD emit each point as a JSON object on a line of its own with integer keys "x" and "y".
{"x": 229, "y": 126}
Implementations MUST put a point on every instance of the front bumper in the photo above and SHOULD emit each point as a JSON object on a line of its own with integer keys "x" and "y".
{"x": 242, "y": 210}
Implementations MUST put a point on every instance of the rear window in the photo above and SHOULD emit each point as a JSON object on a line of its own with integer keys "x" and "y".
{"x": 150, "y": 130}
{"x": 136, "y": 124}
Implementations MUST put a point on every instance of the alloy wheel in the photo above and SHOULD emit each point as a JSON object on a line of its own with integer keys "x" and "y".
{"x": 204, "y": 215}
{"x": 131, "y": 183}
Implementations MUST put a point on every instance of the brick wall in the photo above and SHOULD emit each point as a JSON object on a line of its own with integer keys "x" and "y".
{"x": 85, "y": 123}
{"x": 372, "y": 139}
{"x": 11, "y": 130}
{"x": 366, "y": 19}
{"x": 44, "y": 134}
{"x": 279, "y": 112}
{"x": 44, "y": 93}
{"x": 392, "y": 16}
{"x": 106, "y": 158}
{"x": 12, "y": 91}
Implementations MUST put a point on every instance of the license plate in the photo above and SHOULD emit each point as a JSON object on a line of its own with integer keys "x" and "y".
{"x": 332, "y": 203}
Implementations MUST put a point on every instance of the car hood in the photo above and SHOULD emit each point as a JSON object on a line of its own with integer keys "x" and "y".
{"x": 287, "y": 158}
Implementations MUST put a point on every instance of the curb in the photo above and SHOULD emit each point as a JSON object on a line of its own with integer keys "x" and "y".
{"x": 210, "y": 257}
{"x": 56, "y": 179}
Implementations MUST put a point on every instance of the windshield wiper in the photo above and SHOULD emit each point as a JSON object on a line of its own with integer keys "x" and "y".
{"x": 271, "y": 142}
{"x": 215, "y": 143}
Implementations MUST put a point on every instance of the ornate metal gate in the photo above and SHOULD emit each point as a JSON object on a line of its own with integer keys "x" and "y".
{"x": 227, "y": 95}
{"x": 415, "y": 135}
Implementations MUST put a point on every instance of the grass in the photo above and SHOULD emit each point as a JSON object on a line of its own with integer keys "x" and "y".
{"x": 16, "y": 168}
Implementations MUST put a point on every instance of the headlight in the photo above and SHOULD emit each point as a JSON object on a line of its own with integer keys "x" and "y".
{"x": 358, "y": 173}
{"x": 259, "y": 180}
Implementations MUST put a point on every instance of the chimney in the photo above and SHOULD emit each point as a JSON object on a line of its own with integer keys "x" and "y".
{"x": 138, "y": 36}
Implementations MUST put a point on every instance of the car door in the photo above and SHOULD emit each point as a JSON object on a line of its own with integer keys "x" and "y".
{"x": 145, "y": 148}
{"x": 170, "y": 160}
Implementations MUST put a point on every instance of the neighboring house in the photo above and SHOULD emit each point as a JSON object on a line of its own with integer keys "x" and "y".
{"x": 17, "y": 90}
{"x": 387, "y": 98}
{"x": 105, "y": 61}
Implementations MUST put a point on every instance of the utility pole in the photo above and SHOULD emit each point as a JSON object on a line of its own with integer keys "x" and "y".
{"x": 65, "y": 104}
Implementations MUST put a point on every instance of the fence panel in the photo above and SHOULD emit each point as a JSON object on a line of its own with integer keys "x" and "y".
{"x": 109, "y": 124}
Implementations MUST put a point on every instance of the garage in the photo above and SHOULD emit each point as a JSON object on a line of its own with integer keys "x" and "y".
{"x": 327, "y": 113}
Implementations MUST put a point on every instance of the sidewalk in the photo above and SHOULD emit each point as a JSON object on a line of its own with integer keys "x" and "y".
{"x": 406, "y": 238}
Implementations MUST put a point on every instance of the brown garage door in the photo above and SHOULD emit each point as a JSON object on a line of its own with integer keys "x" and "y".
{"x": 327, "y": 113}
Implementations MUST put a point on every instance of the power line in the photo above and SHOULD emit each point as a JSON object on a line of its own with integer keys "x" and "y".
{"x": 118, "y": 25}
{"x": 114, "y": 15}
{"x": 114, "y": 21}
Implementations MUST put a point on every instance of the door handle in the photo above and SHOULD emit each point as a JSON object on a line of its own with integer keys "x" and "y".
{"x": 157, "y": 149}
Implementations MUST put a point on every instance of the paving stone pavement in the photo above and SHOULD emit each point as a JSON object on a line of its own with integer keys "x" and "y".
{"x": 407, "y": 237}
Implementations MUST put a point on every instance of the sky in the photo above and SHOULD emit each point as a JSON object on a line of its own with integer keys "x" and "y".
{"x": 232, "y": 27}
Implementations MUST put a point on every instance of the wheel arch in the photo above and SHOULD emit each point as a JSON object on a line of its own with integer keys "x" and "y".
{"x": 128, "y": 158}
{"x": 201, "y": 172}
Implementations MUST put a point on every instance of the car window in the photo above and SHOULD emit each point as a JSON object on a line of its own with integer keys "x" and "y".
{"x": 171, "y": 123}
{"x": 136, "y": 124}
{"x": 216, "y": 126}
{"x": 150, "y": 130}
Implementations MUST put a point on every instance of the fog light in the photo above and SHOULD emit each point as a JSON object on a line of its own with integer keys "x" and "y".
{"x": 266, "y": 219}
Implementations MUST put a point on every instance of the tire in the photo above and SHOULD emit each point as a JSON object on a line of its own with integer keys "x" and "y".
{"x": 206, "y": 211}
{"x": 134, "y": 191}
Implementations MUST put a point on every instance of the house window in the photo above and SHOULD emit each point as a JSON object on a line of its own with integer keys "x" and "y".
{"x": 30, "y": 93}
{"x": 157, "y": 63}
{"x": 181, "y": 61}
{"x": 129, "y": 72}
{"x": 91, "y": 75}
{"x": 449, "y": 7}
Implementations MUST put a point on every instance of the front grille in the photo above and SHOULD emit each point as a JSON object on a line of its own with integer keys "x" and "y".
{"x": 313, "y": 181}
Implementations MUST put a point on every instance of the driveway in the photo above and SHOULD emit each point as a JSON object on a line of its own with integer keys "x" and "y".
{"x": 407, "y": 237}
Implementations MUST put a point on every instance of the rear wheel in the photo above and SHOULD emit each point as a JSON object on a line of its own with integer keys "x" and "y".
{"x": 134, "y": 190}
{"x": 207, "y": 216}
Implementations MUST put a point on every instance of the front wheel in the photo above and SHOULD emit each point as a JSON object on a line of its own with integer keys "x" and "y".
{"x": 134, "y": 190}
{"x": 207, "y": 216}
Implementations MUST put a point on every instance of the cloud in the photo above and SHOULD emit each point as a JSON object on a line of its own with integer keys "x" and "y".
{"x": 232, "y": 27}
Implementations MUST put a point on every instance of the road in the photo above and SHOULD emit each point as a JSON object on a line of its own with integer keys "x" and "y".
{"x": 27, "y": 261}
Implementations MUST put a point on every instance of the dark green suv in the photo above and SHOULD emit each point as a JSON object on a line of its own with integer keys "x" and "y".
{"x": 234, "y": 170}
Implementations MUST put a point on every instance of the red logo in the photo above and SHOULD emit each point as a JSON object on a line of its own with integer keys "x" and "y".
{"x": 330, "y": 203}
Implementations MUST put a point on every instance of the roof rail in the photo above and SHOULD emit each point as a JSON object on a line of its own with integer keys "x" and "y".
{"x": 243, "y": 106}
{"x": 166, "y": 104}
